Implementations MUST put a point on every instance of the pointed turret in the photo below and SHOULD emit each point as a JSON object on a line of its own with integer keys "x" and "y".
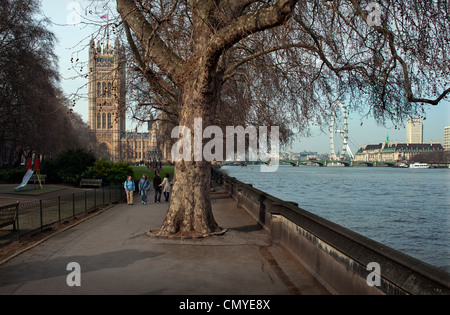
{"x": 117, "y": 46}
{"x": 99, "y": 47}
{"x": 92, "y": 48}
{"x": 107, "y": 47}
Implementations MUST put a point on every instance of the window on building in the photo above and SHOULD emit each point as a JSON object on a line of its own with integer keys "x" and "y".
{"x": 103, "y": 121}
{"x": 109, "y": 120}
{"x": 99, "y": 121}
{"x": 103, "y": 89}
{"x": 99, "y": 89}
{"x": 109, "y": 89}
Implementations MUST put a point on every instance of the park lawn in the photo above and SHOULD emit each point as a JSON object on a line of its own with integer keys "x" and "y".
{"x": 139, "y": 170}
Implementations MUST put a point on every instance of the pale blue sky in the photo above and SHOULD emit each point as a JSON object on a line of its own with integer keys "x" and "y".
{"x": 73, "y": 41}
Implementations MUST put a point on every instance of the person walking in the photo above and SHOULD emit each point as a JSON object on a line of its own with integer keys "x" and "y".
{"x": 129, "y": 189}
{"x": 166, "y": 186}
{"x": 157, "y": 187}
{"x": 144, "y": 186}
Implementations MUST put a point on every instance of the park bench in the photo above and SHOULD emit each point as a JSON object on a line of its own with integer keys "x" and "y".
{"x": 35, "y": 179}
{"x": 91, "y": 182}
{"x": 8, "y": 215}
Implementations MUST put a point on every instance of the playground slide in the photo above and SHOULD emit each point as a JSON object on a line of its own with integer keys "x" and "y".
{"x": 25, "y": 180}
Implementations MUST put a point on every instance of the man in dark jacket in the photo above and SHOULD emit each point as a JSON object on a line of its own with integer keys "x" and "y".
{"x": 156, "y": 182}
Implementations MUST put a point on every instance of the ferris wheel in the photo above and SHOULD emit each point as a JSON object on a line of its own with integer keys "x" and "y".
{"x": 339, "y": 132}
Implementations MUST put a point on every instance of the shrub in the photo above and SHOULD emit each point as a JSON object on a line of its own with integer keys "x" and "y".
{"x": 68, "y": 166}
{"x": 112, "y": 173}
{"x": 13, "y": 175}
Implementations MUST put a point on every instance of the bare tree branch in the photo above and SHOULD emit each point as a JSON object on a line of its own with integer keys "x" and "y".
{"x": 391, "y": 37}
{"x": 166, "y": 59}
{"x": 229, "y": 72}
{"x": 249, "y": 24}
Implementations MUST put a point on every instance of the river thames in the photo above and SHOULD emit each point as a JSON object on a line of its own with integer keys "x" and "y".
{"x": 405, "y": 209}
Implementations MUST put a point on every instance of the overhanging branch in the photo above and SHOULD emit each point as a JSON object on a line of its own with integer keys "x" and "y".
{"x": 251, "y": 23}
{"x": 390, "y": 36}
{"x": 160, "y": 53}
{"x": 230, "y": 70}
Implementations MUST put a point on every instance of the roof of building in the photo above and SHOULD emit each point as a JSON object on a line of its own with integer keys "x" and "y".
{"x": 419, "y": 146}
{"x": 373, "y": 146}
{"x": 392, "y": 147}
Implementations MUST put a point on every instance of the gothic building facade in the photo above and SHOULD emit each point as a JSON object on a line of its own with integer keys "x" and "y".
{"x": 107, "y": 108}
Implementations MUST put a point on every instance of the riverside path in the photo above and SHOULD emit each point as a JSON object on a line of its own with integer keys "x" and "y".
{"x": 116, "y": 257}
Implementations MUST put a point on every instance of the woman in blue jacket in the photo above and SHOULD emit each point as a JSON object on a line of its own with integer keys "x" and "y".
{"x": 129, "y": 189}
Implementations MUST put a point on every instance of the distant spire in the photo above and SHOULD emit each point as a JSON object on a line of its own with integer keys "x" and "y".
{"x": 99, "y": 47}
{"x": 107, "y": 47}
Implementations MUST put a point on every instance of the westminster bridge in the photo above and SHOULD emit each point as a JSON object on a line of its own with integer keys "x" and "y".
{"x": 317, "y": 162}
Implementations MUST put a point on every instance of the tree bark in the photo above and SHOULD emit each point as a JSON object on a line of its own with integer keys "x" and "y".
{"x": 190, "y": 210}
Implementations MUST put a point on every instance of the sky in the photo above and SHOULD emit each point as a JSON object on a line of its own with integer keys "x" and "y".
{"x": 73, "y": 39}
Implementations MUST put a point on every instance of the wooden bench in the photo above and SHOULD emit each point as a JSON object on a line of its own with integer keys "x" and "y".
{"x": 8, "y": 215}
{"x": 35, "y": 179}
{"x": 91, "y": 182}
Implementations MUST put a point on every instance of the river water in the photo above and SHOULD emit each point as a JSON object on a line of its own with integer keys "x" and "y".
{"x": 405, "y": 209}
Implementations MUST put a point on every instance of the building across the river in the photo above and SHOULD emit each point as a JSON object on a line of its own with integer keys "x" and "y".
{"x": 392, "y": 152}
{"x": 447, "y": 138}
{"x": 414, "y": 130}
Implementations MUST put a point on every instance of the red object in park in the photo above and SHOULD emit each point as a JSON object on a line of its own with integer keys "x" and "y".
{"x": 36, "y": 164}
{"x": 28, "y": 165}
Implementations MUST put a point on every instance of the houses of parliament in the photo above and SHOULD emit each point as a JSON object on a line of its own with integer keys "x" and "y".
{"x": 107, "y": 109}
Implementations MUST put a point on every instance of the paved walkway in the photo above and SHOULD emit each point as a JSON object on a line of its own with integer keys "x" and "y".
{"x": 116, "y": 257}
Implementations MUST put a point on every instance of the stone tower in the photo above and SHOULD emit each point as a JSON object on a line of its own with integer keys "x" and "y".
{"x": 107, "y": 97}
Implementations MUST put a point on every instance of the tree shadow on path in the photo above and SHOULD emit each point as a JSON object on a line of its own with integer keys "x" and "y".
{"x": 23, "y": 272}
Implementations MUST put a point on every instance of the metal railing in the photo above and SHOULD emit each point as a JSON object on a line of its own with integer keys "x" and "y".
{"x": 36, "y": 215}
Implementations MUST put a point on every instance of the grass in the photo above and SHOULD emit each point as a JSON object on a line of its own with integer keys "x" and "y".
{"x": 139, "y": 170}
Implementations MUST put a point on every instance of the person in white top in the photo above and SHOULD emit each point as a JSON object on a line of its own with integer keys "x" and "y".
{"x": 166, "y": 186}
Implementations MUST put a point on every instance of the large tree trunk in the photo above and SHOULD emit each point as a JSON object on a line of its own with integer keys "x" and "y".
{"x": 190, "y": 211}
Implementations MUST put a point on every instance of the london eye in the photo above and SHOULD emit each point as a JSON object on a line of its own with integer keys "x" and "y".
{"x": 339, "y": 133}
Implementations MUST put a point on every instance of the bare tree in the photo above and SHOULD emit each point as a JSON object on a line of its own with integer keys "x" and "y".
{"x": 281, "y": 63}
{"x": 34, "y": 115}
